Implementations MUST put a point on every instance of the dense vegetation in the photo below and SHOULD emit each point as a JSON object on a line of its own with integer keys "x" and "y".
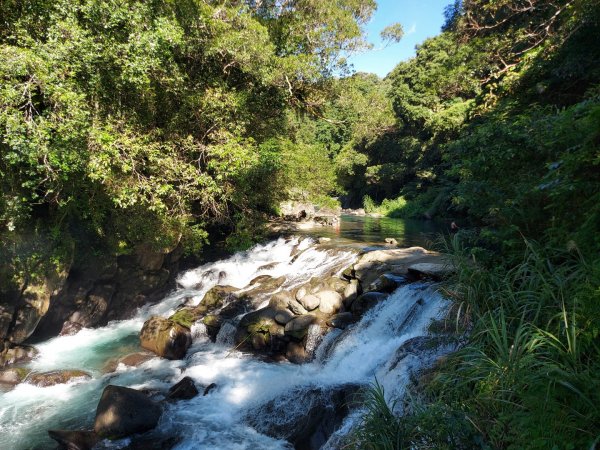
{"x": 497, "y": 125}
{"x": 150, "y": 123}
{"x": 160, "y": 122}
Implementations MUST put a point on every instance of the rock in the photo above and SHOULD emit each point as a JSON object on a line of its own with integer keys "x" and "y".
{"x": 388, "y": 282}
{"x": 297, "y": 211}
{"x": 300, "y": 293}
{"x": 280, "y": 300}
{"x": 43, "y": 379}
{"x": 284, "y": 316}
{"x": 298, "y": 327}
{"x": 323, "y": 240}
{"x": 13, "y": 375}
{"x": 70, "y": 328}
{"x": 131, "y": 359}
{"x": 123, "y": 411}
{"x": 391, "y": 241}
{"x": 145, "y": 442}
{"x": 341, "y": 320}
{"x": 373, "y": 264}
{"x": 337, "y": 284}
{"x": 260, "y": 279}
{"x": 351, "y": 292}
{"x": 296, "y": 353}
{"x": 366, "y": 301}
{"x": 183, "y": 390}
{"x": 209, "y": 388}
{"x": 267, "y": 267}
{"x": 310, "y": 302}
{"x": 437, "y": 271}
{"x": 348, "y": 273}
{"x": 316, "y": 413}
{"x": 217, "y": 297}
{"x": 165, "y": 338}
{"x": 14, "y": 354}
{"x": 74, "y": 440}
{"x": 330, "y": 302}
{"x": 297, "y": 308}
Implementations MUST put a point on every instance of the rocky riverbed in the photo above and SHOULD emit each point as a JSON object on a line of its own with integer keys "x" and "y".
{"x": 225, "y": 344}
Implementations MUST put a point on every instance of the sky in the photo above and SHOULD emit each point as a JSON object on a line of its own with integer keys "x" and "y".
{"x": 419, "y": 18}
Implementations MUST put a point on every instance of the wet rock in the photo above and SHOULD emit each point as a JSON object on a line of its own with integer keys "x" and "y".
{"x": 351, "y": 292}
{"x": 298, "y": 327}
{"x": 183, "y": 390}
{"x": 269, "y": 266}
{"x": 165, "y": 338}
{"x": 44, "y": 379}
{"x": 296, "y": 353}
{"x": 70, "y": 328}
{"x": 366, "y": 301}
{"x": 310, "y": 302}
{"x": 330, "y": 302}
{"x": 74, "y": 440}
{"x": 260, "y": 279}
{"x": 437, "y": 271}
{"x": 123, "y": 411}
{"x": 209, "y": 388}
{"x": 13, "y": 375}
{"x": 341, "y": 320}
{"x": 284, "y": 316}
{"x": 316, "y": 414}
{"x": 16, "y": 354}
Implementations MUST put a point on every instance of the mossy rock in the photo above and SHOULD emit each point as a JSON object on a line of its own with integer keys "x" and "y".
{"x": 185, "y": 317}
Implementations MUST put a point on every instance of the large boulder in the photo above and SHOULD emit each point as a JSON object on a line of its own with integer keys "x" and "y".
{"x": 351, "y": 292}
{"x": 165, "y": 338}
{"x": 437, "y": 271}
{"x": 124, "y": 411}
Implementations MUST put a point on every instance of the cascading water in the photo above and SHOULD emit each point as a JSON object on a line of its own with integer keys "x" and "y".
{"x": 378, "y": 346}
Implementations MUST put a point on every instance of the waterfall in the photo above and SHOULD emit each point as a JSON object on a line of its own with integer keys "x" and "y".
{"x": 383, "y": 345}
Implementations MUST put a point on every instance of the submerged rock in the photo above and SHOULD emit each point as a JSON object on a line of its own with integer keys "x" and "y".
{"x": 124, "y": 411}
{"x": 165, "y": 338}
{"x": 75, "y": 440}
{"x": 43, "y": 379}
{"x": 209, "y": 388}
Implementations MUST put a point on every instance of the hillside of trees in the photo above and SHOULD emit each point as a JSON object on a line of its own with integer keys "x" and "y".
{"x": 166, "y": 123}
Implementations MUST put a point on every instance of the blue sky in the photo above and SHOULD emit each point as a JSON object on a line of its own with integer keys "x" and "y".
{"x": 420, "y": 18}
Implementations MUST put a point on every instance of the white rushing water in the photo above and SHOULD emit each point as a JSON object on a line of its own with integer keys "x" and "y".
{"x": 375, "y": 347}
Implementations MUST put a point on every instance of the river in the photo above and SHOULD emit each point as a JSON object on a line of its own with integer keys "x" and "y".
{"x": 366, "y": 351}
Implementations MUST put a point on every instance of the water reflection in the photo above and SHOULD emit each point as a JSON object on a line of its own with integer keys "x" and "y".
{"x": 374, "y": 230}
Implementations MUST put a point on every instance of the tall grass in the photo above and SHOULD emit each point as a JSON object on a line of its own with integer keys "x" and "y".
{"x": 529, "y": 375}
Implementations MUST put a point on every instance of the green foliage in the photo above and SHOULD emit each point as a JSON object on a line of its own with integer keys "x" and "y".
{"x": 146, "y": 122}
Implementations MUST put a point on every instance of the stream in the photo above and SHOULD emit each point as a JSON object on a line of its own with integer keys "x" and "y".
{"x": 373, "y": 348}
